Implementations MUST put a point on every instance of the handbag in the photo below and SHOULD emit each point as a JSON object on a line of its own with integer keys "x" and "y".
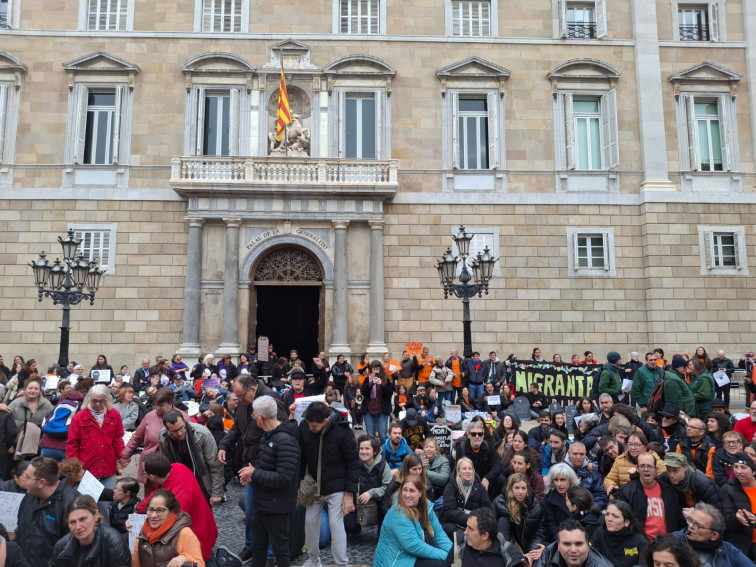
{"x": 367, "y": 514}
{"x": 309, "y": 488}
{"x": 27, "y": 445}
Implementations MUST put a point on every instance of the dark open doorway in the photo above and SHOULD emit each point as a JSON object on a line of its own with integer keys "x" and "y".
{"x": 289, "y": 316}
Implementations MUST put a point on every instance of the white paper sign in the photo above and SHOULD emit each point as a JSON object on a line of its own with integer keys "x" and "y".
{"x": 494, "y": 400}
{"x": 51, "y": 382}
{"x": 90, "y": 485}
{"x": 127, "y": 437}
{"x": 303, "y": 404}
{"x": 627, "y": 384}
{"x": 721, "y": 378}
{"x": 9, "y": 504}
{"x": 584, "y": 416}
{"x": 136, "y": 521}
{"x": 453, "y": 414}
{"x": 101, "y": 376}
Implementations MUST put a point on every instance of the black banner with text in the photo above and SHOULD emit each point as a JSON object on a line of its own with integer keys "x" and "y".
{"x": 562, "y": 383}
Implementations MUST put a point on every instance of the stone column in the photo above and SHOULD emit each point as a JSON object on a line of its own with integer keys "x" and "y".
{"x": 339, "y": 340}
{"x": 650, "y": 98}
{"x": 229, "y": 331}
{"x": 190, "y": 338}
{"x": 376, "y": 341}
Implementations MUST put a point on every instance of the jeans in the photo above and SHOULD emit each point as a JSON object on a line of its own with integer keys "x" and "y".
{"x": 476, "y": 392}
{"x": 442, "y": 397}
{"x": 273, "y": 528}
{"x": 57, "y": 454}
{"x": 108, "y": 482}
{"x": 380, "y": 422}
{"x": 334, "y": 503}
{"x": 249, "y": 510}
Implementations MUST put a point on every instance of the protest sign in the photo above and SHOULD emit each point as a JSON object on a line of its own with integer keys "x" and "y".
{"x": 565, "y": 383}
{"x": 414, "y": 349}
{"x": 51, "y": 382}
{"x": 303, "y": 404}
{"x": 443, "y": 436}
{"x": 262, "y": 348}
{"x": 493, "y": 400}
{"x": 101, "y": 376}
{"x": 91, "y": 486}
{"x": 453, "y": 414}
{"x": 136, "y": 521}
{"x": 9, "y": 503}
{"x": 721, "y": 378}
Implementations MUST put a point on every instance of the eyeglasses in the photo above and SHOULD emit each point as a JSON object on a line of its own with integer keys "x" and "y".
{"x": 178, "y": 431}
{"x": 96, "y": 402}
{"x": 635, "y": 444}
{"x": 475, "y": 433}
{"x": 696, "y": 525}
{"x": 645, "y": 467}
{"x": 732, "y": 442}
{"x": 156, "y": 511}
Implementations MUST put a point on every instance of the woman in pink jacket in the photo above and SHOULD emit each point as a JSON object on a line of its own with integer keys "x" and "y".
{"x": 95, "y": 436}
{"x": 147, "y": 434}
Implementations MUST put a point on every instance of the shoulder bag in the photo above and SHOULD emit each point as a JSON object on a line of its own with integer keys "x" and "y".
{"x": 309, "y": 488}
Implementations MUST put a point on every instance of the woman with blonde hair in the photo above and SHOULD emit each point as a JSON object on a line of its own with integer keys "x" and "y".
{"x": 520, "y": 516}
{"x": 412, "y": 535}
{"x": 462, "y": 495}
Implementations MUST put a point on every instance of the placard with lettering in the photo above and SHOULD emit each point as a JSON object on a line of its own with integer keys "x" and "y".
{"x": 262, "y": 348}
{"x": 453, "y": 414}
{"x": 303, "y": 404}
{"x": 136, "y": 521}
{"x": 443, "y": 436}
{"x": 91, "y": 486}
{"x": 414, "y": 348}
{"x": 564, "y": 383}
{"x": 9, "y": 504}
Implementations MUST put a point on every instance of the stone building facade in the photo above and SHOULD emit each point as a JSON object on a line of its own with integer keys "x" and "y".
{"x": 604, "y": 151}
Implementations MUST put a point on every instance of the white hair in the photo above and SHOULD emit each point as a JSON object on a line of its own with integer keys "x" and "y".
{"x": 99, "y": 391}
{"x": 265, "y": 407}
{"x": 560, "y": 470}
{"x": 208, "y": 359}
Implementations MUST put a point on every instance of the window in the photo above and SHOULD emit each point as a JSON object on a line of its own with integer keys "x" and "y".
{"x": 222, "y": 16}
{"x": 360, "y": 16}
{"x": 216, "y": 124}
{"x": 5, "y": 98}
{"x": 471, "y": 18}
{"x": 100, "y": 129}
{"x": 590, "y": 252}
{"x": 591, "y": 136}
{"x": 107, "y": 15}
{"x": 98, "y": 243}
{"x": 472, "y": 133}
{"x": 709, "y": 133}
{"x": 587, "y": 127}
{"x": 722, "y": 250}
{"x": 698, "y": 22}
{"x": 482, "y": 237}
{"x": 360, "y": 127}
{"x": 11, "y": 86}
{"x": 582, "y": 20}
{"x": 4, "y": 14}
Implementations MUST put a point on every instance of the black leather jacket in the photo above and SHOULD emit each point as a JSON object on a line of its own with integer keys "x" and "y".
{"x": 529, "y": 532}
{"x": 108, "y": 550}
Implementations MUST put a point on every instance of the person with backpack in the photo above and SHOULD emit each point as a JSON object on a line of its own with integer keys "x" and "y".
{"x": 610, "y": 377}
{"x": 646, "y": 377}
{"x": 55, "y": 427}
{"x": 676, "y": 389}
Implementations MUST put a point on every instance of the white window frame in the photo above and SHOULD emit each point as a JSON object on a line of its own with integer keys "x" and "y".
{"x": 84, "y": 9}
{"x": 105, "y": 256}
{"x": 599, "y": 10}
{"x": 462, "y": 135}
{"x": 199, "y": 17}
{"x": 707, "y": 244}
{"x": 482, "y": 237}
{"x": 337, "y": 19}
{"x": 687, "y": 130}
{"x": 113, "y": 114}
{"x": 469, "y": 18}
{"x": 382, "y": 119}
{"x": 607, "y": 235}
{"x": 493, "y": 19}
{"x": 716, "y": 18}
{"x": 114, "y": 12}
{"x": 495, "y": 109}
{"x": 77, "y": 123}
{"x": 195, "y": 119}
{"x": 565, "y": 128}
{"x": 358, "y": 124}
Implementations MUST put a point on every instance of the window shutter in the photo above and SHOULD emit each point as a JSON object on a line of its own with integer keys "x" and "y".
{"x": 485, "y": 19}
{"x": 233, "y": 127}
{"x": 708, "y": 248}
{"x": 456, "y": 18}
{"x": 713, "y": 21}
{"x": 81, "y": 124}
{"x": 341, "y": 125}
{"x": 605, "y": 249}
{"x": 119, "y": 96}
{"x": 4, "y": 89}
{"x": 455, "y": 128}
{"x": 563, "y": 18}
{"x": 200, "y": 141}
{"x": 724, "y": 132}
{"x": 600, "y": 11}
{"x": 690, "y": 116}
{"x": 569, "y": 130}
{"x": 610, "y": 129}
{"x": 575, "y": 263}
{"x": 380, "y": 101}
{"x": 493, "y": 129}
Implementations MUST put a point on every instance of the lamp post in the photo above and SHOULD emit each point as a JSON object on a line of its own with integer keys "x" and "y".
{"x": 65, "y": 282}
{"x": 482, "y": 271}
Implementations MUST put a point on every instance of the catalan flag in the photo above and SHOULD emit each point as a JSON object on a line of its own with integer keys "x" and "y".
{"x": 284, "y": 114}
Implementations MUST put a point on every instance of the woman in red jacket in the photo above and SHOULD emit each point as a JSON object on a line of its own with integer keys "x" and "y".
{"x": 95, "y": 436}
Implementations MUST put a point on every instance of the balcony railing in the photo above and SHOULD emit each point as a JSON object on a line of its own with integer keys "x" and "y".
{"x": 585, "y": 30}
{"x": 694, "y": 33}
{"x": 281, "y": 170}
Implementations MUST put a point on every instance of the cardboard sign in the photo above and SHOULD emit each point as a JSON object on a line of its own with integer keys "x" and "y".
{"x": 493, "y": 400}
{"x": 443, "y": 436}
{"x": 414, "y": 349}
{"x": 262, "y": 348}
{"x": 9, "y": 504}
{"x": 136, "y": 521}
{"x": 91, "y": 486}
{"x": 303, "y": 404}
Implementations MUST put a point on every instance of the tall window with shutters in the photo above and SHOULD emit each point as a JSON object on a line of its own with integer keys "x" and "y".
{"x": 710, "y": 132}
{"x": 698, "y": 21}
{"x": 471, "y": 18}
{"x": 723, "y": 250}
{"x": 99, "y": 123}
{"x": 591, "y": 130}
{"x": 360, "y": 126}
{"x": 5, "y": 14}
{"x": 472, "y": 133}
{"x": 107, "y": 15}
{"x": 98, "y": 242}
{"x": 360, "y": 16}
{"x": 224, "y": 16}
{"x": 213, "y": 121}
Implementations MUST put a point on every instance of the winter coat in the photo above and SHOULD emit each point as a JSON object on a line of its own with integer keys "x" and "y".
{"x": 643, "y": 382}
{"x": 394, "y": 458}
{"x": 118, "y": 515}
{"x": 551, "y": 556}
{"x": 486, "y": 462}
{"x": 401, "y": 541}
{"x": 500, "y": 372}
{"x": 375, "y": 479}
{"x": 701, "y": 460}
{"x": 20, "y": 410}
{"x": 555, "y": 512}
{"x": 438, "y": 474}
{"x": 341, "y": 464}
{"x": 277, "y": 471}
{"x": 387, "y": 392}
{"x": 720, "y": 467}
{"x": 441, "y": 377}
{"x": 701, "y": 489}
{"x": 725, "y": 555}
{"x": 147, "y": 434}
{"x": 206, "y": 451}
{"x": 703, "y": 393}
{"x": 677, "y": 391}
{"x": 594, "y": 482}
{"x": 530, "y": 531}
{"x": 15, "y": 556}
{"x": 42, "y": 524}
{"x": 610, "y": 382}
{"x": 501, "y": 553}
{"x": 129, "y": 414}
{"x": 171, "y": 543}
{"x": 590, "y": 519}
{"x": 473, "y": 375}
{"x": 624, "y": 548}
{"x": 734, "y": 498}
{"x": 620, "y": 473}
{"x": 633, "y": 494}
{"x": 456, "y": 509}
{"x": 389, "y": 497}
{"x": 109, "y": 549}
{"x": 97, "y": 446}
{"x": 8, "y": 432}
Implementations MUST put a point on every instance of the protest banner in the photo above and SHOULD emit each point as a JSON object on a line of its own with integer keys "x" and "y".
{"x": 303, "y": 404}
{"x": 9, "y": 504}
{"x": 262, "y": 348}
{"x": 564, "y": 383}
{"x": 91, "y": 486}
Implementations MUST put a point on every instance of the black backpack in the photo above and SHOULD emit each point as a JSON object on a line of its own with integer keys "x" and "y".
{"x": 595, "y": 393}
{"x": 656, "y": 397}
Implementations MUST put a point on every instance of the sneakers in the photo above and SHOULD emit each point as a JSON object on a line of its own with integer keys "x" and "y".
{"x": 245, "y": 556}
{"x": 312, "y": 563}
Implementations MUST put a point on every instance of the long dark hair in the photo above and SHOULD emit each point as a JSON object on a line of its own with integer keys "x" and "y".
{"x": 627, "y": 514}
{"x": 678, "y": 548}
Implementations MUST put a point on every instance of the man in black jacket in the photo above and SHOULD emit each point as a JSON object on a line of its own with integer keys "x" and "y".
{"x": 691, "y": 486}
{"x": 339, "y": 475}
{"x": 247, "y": 390}
{"x": 276, "y": 477}
{"x": 485, "y": 459}
{"x": 721, "y": 362}
{"x": 42, "y": 517}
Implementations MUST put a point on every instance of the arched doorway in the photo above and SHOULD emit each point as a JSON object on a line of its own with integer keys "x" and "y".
{"x": 288, "y": 290}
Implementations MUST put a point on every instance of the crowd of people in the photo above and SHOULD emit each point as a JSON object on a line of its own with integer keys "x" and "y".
{"x": 659, "y": 472}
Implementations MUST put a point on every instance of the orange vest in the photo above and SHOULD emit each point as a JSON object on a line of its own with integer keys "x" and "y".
{"x": 425, "y": 368}
{"x": 456, "y": 368}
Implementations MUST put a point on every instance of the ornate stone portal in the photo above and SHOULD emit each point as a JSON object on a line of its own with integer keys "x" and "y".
{"x": 288, "y": 265}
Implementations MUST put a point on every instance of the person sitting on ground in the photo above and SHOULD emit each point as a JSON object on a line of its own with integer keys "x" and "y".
{"x": 16, "y": 483}
{"x": 482, "y": 543}
{"x": 464, "y": 493}
{"x": 520, "y": 516}
{"x": 590, "y": 478}
{"x": 415, "y": 429}
{"x": 620, "y": 538}
{"x": 737, "y": 505}
{"x": 561, "y": 477}
{"x": 395, "y": 448}
{"x": 484, "y": 457}
{"x": 538, "y": 402}
{"x": 571, "y": 548}
{"x": 625, "y": 465}
{"x": 580, "y": 504}
{"x": 437, "y": 467}
{"x": 691, "y": 485}
{"x": 125, "y": 501}
{"x": 720, "y": 465}
{"x": 375, "y": 478}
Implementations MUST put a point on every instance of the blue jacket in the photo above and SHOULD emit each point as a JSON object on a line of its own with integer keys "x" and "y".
{"x": 545, "y": 451}
{"x": 394, "y": 460}
{"x": 594, "y": 482}
{"x": 727, "y": 555}
{"x": 402, "y": 543}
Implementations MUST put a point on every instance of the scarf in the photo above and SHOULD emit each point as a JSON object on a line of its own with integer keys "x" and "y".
{"x": 466, "y": 489}
{"x": 684, "y": 486}
{"x": 154, "y": 535}
{"x": 703, "y": 546}
{"x": 613, "y": 367}
{"x": 98, "y": 415}
{"x": 194, "y": 452}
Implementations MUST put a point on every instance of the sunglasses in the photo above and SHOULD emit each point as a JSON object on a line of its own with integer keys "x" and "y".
{"x": 475, "y": 433}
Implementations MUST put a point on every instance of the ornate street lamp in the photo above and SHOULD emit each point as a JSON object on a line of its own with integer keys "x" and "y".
{"x": 482, "y": 271}
{"x": 64, "y": 283}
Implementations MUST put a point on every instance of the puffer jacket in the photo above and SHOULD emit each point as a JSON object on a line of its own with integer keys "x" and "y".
{"x": 277, "y": 471}
{"x": 624, "y": 548}
{"x": 620, "y": 474}
{"x": 21, "y": 412}
{"x": 456, "y": 509}
{"x": 119, "y": 515}
{"x": 530, "y": 531}
{"x": 402, "y": 541}
{"x": 734, "y": 498}
{"x": 551, "y": 556}
{"x": 595, "y": 484}
{"x": 109, "y": 549}
{"x": 375, "y": 478}
{"x": 98, "y": 447}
